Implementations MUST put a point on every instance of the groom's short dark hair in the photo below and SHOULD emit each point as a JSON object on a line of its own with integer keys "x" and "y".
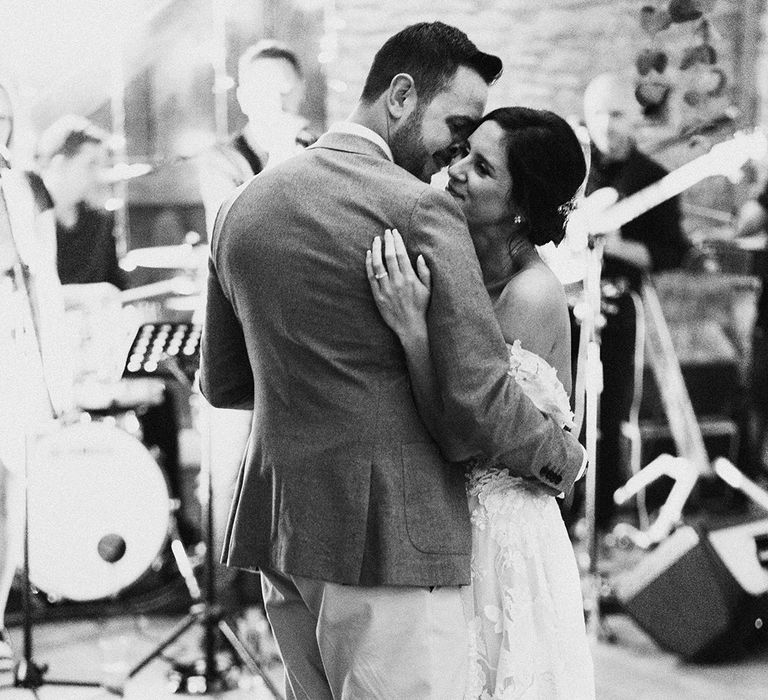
{"x": 431, "y": 53}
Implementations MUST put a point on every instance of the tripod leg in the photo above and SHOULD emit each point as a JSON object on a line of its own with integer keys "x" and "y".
{"x": 247, "y": 658}
{"x": 193, "y": 617}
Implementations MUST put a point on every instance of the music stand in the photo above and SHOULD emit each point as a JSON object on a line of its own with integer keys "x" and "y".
{"x": 173, "y": 350}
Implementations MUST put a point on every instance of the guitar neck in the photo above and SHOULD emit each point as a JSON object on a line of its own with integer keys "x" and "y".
{"x": 637, "y": 204}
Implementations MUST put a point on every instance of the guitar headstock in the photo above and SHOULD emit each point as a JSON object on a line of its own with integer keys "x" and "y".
{"x": 729, "y": 157}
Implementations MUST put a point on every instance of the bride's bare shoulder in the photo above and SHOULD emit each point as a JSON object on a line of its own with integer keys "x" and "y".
{"x": 537, "y": 287}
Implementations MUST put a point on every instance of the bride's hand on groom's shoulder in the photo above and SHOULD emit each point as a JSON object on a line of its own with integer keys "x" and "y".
{"x": 400, "y": 292}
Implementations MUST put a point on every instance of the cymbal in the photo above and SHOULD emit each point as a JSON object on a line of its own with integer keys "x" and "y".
{"x": 180, "y": 285}
{"x": 166, "y": 257}
{"x": 194, "y": 302}
{"x": 120, "y": 172}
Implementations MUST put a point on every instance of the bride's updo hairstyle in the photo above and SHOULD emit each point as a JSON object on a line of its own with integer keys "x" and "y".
{"x": 547, "y": 166}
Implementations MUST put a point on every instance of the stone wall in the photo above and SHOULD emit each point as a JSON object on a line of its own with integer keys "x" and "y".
{"x": 551, "y": 49}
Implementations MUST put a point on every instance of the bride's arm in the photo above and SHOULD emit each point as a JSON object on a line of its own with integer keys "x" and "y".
{"x": 402, "y": 296}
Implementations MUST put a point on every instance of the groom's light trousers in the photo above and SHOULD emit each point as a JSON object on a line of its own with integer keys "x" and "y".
{"x": 351, "y": 642}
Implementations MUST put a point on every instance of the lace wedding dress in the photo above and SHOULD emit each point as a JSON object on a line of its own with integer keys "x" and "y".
{"x": 524, "y": 607}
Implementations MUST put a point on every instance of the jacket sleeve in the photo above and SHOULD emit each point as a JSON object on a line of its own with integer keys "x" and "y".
{"x": 226, "y": 379}
{"x": 483, "y": 404}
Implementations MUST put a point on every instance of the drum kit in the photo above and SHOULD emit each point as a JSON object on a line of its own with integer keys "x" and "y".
{"x": 98, "y": 512}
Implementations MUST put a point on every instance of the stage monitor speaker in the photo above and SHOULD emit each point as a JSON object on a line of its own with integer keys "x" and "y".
{"x": 702, "y": 593}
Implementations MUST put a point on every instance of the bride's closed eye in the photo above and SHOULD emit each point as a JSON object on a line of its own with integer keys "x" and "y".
{"x": 482, "y": 167}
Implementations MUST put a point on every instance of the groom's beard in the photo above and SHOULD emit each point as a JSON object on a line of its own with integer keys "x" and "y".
{"x": 408, "y": 148}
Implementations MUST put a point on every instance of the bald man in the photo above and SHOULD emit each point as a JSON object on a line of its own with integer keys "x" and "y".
{"x": 653, "y": 241}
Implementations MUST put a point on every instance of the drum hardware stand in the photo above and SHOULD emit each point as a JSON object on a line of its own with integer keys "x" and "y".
{"x": 27, "y": 673}
{"x": 203, "y": 676}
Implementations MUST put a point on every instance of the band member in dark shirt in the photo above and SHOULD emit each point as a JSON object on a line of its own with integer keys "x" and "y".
{"x": 654, "y": 240}
{"x": 269, "y": 91}
{"x": 72, "y": 155}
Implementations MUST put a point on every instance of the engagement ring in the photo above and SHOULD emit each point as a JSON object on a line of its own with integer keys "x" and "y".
{"x": 381, "y": 276}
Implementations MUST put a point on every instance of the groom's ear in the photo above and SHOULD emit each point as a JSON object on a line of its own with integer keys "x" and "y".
{"x": 401, "y": 96}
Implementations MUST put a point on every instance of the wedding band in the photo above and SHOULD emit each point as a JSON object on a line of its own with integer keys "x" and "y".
{"x": 381, "y": 276}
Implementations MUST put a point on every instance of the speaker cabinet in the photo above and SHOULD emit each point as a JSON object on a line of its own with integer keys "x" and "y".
{"x": 702, "y": 593}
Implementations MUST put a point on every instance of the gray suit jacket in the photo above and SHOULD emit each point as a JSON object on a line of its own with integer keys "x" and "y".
{"x": 341, "y": 480}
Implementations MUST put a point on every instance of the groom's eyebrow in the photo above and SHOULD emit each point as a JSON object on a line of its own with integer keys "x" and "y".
{"x": 461, "y": 126}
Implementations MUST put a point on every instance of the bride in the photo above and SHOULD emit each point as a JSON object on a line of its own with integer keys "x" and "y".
{"x": 514, "y": 182}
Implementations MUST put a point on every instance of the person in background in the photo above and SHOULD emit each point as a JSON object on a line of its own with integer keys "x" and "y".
{"x": 655, "y": 240}
{"x": 35, "y": 375}
{"x": 652, "y": 242}
{"x": 72, "y": 155}
{"x": 752, "y": 220}
{"x": 270, "y": 88}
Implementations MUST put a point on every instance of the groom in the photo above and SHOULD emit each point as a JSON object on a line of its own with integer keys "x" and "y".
{"x": 356, "y": 519}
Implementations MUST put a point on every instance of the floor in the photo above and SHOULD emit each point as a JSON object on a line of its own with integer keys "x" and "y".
{"x": 105, "y": 643}
{"x": 106, "y": 651}
{"x": 630, "y": 668}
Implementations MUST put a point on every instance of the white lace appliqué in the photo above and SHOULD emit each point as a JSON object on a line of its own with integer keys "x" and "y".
{"x": 524, "y": 607}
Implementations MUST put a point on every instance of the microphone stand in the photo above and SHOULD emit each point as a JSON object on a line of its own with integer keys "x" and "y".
{"x": 591, "y": 365}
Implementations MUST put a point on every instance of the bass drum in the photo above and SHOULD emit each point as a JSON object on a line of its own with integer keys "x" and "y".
{"x": 99, "y": 511}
